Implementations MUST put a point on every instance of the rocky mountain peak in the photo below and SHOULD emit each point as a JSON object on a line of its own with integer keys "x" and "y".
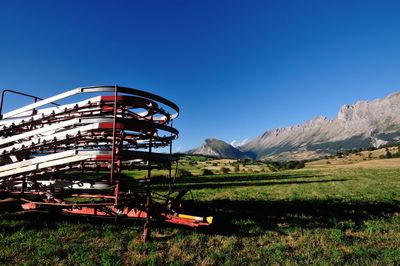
{"x": 358, "y": 125}
{"x": 220, "y": 149}
{"x": 346, "y": 112}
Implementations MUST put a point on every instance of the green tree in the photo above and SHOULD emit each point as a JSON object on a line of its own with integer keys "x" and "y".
{"x": 183, "y": 173}
{"x": 388, "y": 154}
{"x": 207, "y": 172}
{"x": 225, "y": 170}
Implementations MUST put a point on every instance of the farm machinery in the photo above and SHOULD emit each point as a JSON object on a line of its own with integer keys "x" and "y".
{"x": 68, "y": 154}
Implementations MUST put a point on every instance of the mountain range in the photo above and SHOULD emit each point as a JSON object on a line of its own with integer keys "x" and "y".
{"x": 360, "y": 125}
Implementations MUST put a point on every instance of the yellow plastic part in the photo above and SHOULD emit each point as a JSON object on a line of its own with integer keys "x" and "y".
{"x": 208, "y": 219}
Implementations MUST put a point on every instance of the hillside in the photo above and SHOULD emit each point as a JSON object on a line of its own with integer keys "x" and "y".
{"x": 384, "y": 157}
{"x": 221, "y": 149}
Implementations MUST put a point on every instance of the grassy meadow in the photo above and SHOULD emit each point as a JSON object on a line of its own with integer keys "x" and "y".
{"x": 323, "y": 214}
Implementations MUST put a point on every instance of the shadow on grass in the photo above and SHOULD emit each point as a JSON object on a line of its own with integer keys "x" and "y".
{"x": 44, "y": 220}
{"x": 212, "y": 185}
{"x": 27, "y": 220}
{"x": 233, "y": 217}
{"x": 252, "y": 217}
{"x": 243, "y": 180}
{"x": 244, "y": 177}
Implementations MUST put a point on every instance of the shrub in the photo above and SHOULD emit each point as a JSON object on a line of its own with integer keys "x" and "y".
{"x": 207, "y": 172}
{"x": 225, "y": 170}
{"x": 183, "y": 173}
{"x": 274, "y": 166}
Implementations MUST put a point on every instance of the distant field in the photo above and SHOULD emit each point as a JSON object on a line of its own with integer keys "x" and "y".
{"x": 386, "y": 163}
{"x": 323, "y": 214}
{"x": 366, "y": 159}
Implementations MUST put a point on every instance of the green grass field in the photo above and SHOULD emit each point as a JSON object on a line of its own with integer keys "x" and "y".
{"x": 309, "y": 216}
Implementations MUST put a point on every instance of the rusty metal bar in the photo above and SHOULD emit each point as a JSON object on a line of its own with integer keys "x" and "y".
{"x": 18, "y": 93}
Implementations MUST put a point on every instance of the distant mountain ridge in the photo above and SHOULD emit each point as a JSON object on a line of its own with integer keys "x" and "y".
{"x": 221, "y": 149}
{"x": 361, "y": 125}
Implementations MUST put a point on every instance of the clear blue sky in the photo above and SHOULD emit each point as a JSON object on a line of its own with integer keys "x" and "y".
{"x": 236, "y": 68}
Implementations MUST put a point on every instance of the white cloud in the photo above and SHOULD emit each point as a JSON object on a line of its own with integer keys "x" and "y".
{"x": 236, "y": 143}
